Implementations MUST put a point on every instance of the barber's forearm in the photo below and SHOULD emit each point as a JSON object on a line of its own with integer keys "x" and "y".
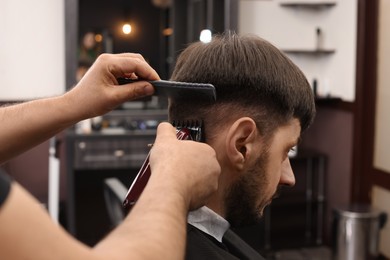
{"x": 28, "y": 124}
{"x": 155, "y": 228}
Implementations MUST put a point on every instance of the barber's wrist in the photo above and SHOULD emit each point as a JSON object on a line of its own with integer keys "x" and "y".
{"x": 168, "y": 183}
{"x": 76, "y": 109}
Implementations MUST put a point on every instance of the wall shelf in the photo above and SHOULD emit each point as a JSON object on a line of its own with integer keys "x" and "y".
{"x": 310, "y": 4}
{"x": 320, "y": 46}
{"x": 325, "y": 101}
{"x": 308, "y": 51}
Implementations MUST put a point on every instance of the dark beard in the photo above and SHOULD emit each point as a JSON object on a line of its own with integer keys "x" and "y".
{"x": 241, "y": 208}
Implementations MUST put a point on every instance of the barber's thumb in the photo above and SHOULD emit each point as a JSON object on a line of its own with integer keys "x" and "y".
{"x": 165, "y": 130}
{"x": 135, "y": 90}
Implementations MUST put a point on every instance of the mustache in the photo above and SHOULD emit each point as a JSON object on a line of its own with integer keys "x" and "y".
{"x": 278, "y": 192}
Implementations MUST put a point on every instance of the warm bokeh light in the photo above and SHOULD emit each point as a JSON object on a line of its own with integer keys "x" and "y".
{"x": 205, "y": 36}
{"x": 126, "y": 28}
{"x": 167, "y": 31}
{"x": 98, "y": 37}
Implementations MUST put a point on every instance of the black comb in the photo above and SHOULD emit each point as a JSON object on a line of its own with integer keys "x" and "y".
{"x": 179, "y": 90}
{"x": 185, "y": 130}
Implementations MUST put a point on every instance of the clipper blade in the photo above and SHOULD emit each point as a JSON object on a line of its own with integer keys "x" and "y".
{"x": 194, "y": 126}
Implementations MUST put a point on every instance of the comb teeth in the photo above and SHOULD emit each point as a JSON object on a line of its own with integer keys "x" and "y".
{"x": 195, "y": 127}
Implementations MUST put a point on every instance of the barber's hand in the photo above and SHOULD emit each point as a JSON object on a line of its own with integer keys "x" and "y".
{"x": 189, "y": 167}
{"x": 98, "y": 91}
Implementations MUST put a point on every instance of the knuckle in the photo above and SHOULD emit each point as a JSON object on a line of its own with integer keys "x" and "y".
{"x": 104, "y": 57}
{"x": 138, "y": 61}
{"x": 138, "y": 56}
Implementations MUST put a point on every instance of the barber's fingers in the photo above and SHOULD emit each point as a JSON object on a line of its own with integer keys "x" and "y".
{"x": 131, "y": 75}
{"x": 131, "y": 55}
{"x": 127, "y": 64}
{"x": 134, "y": 91}
{"x": 135, "y": 66}
{"x": 165, "y": 132}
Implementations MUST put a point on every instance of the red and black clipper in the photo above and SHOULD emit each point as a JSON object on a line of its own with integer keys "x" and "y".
{"x": 187, "y": 130}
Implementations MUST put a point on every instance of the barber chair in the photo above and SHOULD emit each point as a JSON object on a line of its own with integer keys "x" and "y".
{"x": 114, "y": 194}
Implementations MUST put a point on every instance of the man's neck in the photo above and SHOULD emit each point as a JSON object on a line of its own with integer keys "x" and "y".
{"x": 215, "y": 205}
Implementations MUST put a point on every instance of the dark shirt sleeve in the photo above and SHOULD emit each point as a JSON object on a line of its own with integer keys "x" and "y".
{"x": 5, "y": 186}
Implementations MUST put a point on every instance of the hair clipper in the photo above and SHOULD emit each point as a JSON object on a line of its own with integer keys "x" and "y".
{"x": 188, "y": 130}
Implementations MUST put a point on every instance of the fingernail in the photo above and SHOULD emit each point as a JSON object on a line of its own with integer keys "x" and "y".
{"x": 148, "y": 90}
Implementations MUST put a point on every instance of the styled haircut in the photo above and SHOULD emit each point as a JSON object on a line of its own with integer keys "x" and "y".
{"x": 252, "y": 78}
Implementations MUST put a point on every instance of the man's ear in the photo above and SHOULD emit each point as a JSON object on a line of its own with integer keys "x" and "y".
{"x": 240, "y": 141}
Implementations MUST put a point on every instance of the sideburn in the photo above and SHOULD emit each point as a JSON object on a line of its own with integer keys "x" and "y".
{"x": 241, "y": 199}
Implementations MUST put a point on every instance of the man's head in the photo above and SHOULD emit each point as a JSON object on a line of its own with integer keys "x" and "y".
{"x": 264, "y": 103}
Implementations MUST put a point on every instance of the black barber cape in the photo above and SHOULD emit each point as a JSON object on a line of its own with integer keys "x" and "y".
{"x": 201, "y": 246}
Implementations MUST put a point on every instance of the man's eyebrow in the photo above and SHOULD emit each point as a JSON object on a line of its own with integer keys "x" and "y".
{"x": 299, "y": 140}
{"x": 296, "y": 142}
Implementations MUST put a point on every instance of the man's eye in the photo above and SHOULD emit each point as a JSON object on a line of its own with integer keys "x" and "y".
{"x": 293, "y": 152}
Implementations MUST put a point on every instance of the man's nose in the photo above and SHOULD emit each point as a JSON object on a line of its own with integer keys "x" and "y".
{"x": 287, "y": 177}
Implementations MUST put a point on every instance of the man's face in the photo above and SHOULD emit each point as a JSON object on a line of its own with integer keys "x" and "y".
{"x": 255, "y": 189}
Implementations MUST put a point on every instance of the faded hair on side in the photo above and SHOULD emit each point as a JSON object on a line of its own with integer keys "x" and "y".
{"x": 252, "y": 78}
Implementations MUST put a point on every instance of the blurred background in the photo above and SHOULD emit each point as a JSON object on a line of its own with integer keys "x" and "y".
{"x": 341, "y": 166}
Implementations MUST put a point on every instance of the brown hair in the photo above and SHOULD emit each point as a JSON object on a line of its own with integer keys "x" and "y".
{"x": 252, "y": 78}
